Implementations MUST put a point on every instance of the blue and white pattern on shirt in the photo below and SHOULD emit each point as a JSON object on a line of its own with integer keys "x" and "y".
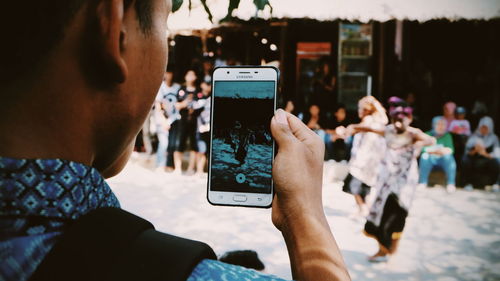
{"x": 38, "y": 197}
{"x": 210, "y": 270}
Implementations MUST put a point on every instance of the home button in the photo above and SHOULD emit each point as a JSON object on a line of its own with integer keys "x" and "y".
{"x": 240, "y": 198}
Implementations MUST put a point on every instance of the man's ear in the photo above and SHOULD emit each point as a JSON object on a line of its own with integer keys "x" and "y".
{"x": 112, "y": 32}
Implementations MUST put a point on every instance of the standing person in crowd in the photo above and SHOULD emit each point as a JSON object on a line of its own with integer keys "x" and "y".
{"x": 146, "y": 133}
{"x": 203, "y": 105}
{"x": 367, "y": 151}
{"x": 439, "y": 155}
{"x": 340, "y": 150}
{"x": 397, "y": 181}
{"x": 324, "y": 85}
{"x": 315, "y": 121}
{"x": 165, "y": 115}
{"x": 185, "y": 128}
{"x": 482, "y": 155}
{"x": 208, "y": 68}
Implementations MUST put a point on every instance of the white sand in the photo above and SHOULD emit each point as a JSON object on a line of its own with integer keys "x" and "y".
{"x": 447, "y": 236}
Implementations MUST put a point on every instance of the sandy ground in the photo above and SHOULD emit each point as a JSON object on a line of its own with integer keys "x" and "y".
{"x": 447, "y": 236}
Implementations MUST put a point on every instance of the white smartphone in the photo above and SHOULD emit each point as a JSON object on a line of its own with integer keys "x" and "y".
{"x": 242, "y": 147}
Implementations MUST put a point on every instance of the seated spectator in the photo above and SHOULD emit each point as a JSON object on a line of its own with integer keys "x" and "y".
{"x": 448, "y": 114}
{"x": 439, "y": 155}
{"x": 291, "y": 108}
{"x": 460, "y": 128}
{"x": 245, "y": 258}
{"x": 481, "y": 160}
{"x": 460, "y": 125}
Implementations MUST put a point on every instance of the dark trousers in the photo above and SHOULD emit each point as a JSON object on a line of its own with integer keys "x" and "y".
{"x": 479, "y": 170}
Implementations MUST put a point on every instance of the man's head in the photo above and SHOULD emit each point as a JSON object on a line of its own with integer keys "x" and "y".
{"x": 289, "y": 106}
{"x": 206, "y": 88}
{"x": 340, "y": 113}
{"x": 190, "y": 77}
{"x": 460, "y": 113}
{"x": 168, "y": 77}
{"x": 98, "y": 61}
{"x": 314, "y": 110}
{"x": 439, "y": 125}
{"x": 449, "y": 109}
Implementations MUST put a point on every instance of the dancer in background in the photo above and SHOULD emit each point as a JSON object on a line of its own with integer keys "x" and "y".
{"x": 398, "y": 177}
{"x": 367, "y": 151}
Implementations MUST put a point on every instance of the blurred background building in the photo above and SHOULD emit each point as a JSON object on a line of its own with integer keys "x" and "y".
{"x": 336, "y": 51}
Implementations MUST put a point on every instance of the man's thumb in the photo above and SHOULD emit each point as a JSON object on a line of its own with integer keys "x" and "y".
{"x": 281, "y": 129}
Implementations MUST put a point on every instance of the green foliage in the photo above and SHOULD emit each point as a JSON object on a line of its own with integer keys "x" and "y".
{"x": 209, "y": 13}
{"x": 233, "y": 5}
{"x": 176, "y": 4}
{"x": 261, "y": 4}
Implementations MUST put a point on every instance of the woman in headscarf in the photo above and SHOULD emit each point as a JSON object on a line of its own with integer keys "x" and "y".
{"x": 481, "y": 159}
{"x": 439, "y": 155}
{"x": 367, "y": 151}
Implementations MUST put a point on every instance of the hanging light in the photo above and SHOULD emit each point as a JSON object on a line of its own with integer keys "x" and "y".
{"x": 273, "y": 47}
{"x": 263, "y": 41}
{"x": 218, "y": 39}
{"x": 172, "y": 43}
{"x": 211, "y": 54}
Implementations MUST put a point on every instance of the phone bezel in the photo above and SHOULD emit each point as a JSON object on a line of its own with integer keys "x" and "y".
{"x": 230, "y": 73}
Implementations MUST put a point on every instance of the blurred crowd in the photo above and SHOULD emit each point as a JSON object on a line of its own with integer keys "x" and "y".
{"x": 179, "y": 122}
{"x": 467, "y": 155}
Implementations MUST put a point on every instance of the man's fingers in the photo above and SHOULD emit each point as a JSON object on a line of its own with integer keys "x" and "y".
{"x": 299, "y": 129}
{"x": 288, "y": 129}
{"x": 281, "y": 129}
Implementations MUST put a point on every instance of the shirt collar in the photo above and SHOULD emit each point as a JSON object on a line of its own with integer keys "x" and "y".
{"x": 52, "y": 188}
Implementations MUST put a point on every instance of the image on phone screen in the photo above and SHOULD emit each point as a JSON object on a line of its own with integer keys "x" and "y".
{"x": 242, "y": 146}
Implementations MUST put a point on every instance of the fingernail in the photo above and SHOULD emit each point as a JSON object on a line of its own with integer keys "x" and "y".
{"x": 281, "y": 117}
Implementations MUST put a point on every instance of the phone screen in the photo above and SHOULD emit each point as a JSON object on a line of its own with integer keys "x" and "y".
{"x": 242, "y": 145}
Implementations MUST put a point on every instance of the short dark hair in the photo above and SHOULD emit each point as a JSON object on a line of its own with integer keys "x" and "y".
{"x": 32, "y": 29}
{"x": 245, "y": 258}
{"x": 339, "y": 106}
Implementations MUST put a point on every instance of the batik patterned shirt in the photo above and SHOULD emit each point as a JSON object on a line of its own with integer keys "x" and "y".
{"x": 39, "y": 197}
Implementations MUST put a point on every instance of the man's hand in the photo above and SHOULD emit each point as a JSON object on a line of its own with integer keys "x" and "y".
{"x": 298, "y": 170}
{"x": 298, "y": 206}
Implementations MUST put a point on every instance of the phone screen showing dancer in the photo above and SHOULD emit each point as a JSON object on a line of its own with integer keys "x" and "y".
{"x": 242, "y": 148}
